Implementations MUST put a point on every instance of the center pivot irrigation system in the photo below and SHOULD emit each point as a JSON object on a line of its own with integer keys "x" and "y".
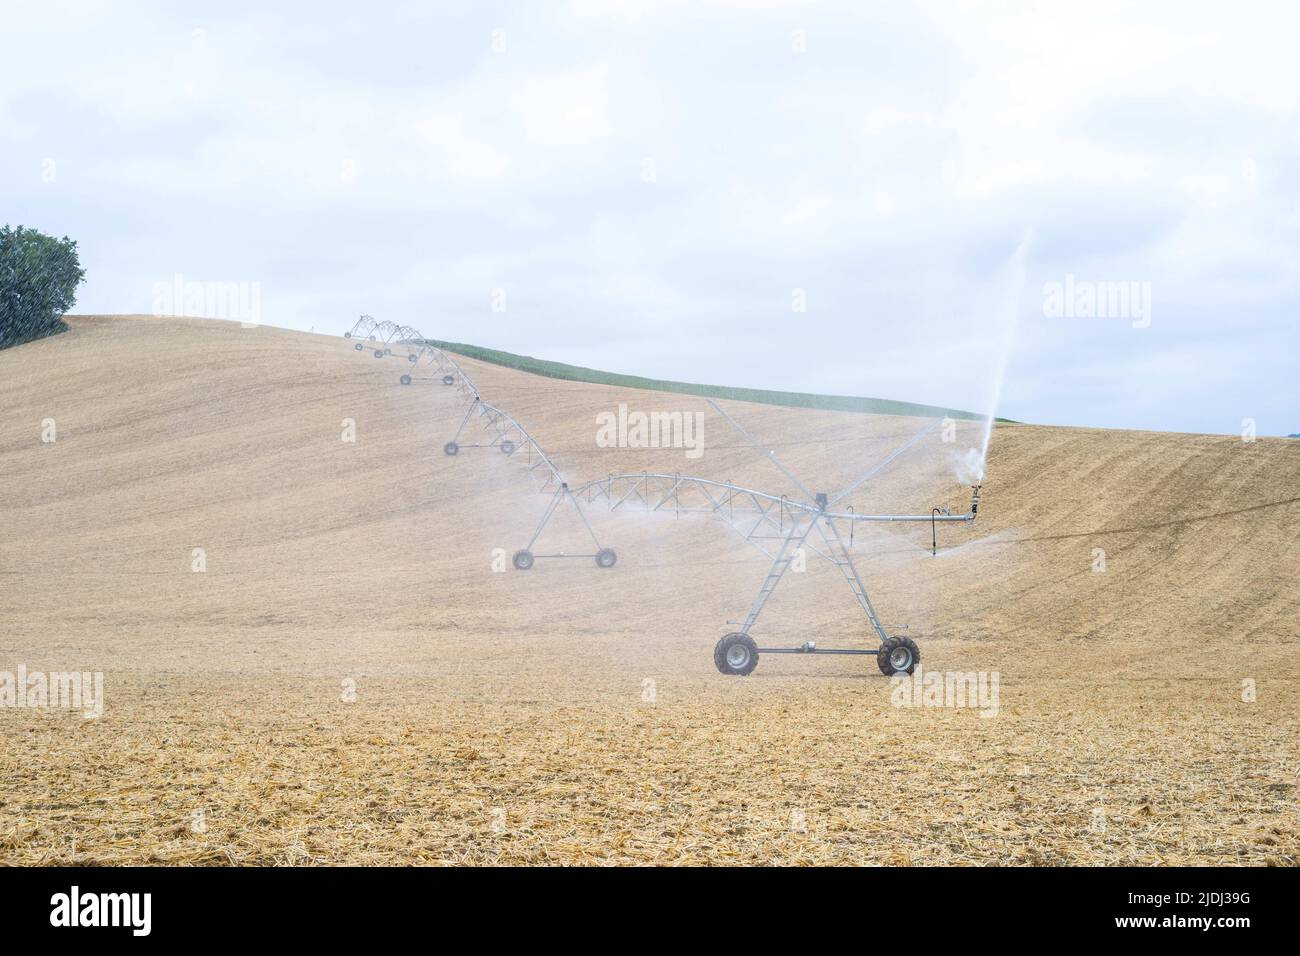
{"x": 779, "y": 526}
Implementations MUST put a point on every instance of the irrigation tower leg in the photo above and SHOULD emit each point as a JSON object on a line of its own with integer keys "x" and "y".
{"x": 794, "y": 539}
{"x": 546, "y": 516}
{"x": 452, "y": 446}
{"x": 605, "y": 557}
{"x": 843, "y": 559}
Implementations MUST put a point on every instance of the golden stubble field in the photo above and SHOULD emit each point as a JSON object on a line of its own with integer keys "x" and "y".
{"x": 349, "y": 681}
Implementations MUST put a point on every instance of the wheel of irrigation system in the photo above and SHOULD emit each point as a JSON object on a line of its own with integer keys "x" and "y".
{"x": 347, "y": 335}
{"x": 413, "y": 358}
{"x": 379, "y": 353}
{"x": 388, "y": 351}
{"x": 606, "y": 558}
{"x": 370, "y": 338}
{"x": 523, "y": 560}
{"x": 898, "y": 655}
{"x": 507, "y": 447}
{"x": 448, "y": 380}
{"x": 405, "y": 380}
{"x": 736, "y": 654}
{"x": 358, "y": 346}
{"x": 450, "y": 448}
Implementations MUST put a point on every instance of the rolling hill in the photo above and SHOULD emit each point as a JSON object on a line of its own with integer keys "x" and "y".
{"x": 350, "y": 680}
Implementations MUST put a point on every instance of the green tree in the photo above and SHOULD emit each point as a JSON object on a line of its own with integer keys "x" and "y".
{"x": 38, "y": 284}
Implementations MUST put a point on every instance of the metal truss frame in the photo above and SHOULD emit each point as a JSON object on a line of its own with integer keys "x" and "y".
{"x": 445, "y": 369}
{"x": 493, "y": 427}
{"x": 777, "y": 525}
{"x": 381, "y": 332}
{"x": 364, "y": 328}
{"x": 390, "y": 334}
{"x": 497, "y": 429}
{"x": 758, "y": 517}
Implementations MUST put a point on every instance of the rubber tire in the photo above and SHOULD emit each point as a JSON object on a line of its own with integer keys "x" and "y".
{"x": 523, "y": 560}
{"x": 606, "y": 558}
{"x": 405, "y": 380}
{"x": 448, "y": 380}
{"x": 507, "y": 448}
{"x": 724, "y": 645}
{"x": 413, "y": 358}
{"x": 892, "y": 643}
{"x": 359, "y": 347}
{"x": 347, "y": 335}
{"x": 450, "y": 448}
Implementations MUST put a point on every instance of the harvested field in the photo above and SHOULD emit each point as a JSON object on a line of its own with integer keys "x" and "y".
{"x": 574, "y": 715}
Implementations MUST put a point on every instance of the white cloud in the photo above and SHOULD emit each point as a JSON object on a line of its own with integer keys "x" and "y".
{"x": 564, "y": 109}
{"x": 391, "y": 160}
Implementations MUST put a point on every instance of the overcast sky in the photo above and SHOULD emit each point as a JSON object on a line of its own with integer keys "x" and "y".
{"x": 809, "y": 196}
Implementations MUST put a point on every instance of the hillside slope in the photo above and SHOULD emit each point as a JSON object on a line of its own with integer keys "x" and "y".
{"x": 349, "y": 680}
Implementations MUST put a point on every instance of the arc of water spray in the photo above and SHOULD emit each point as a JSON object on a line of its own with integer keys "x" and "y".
{"x": 1010, "y": 307}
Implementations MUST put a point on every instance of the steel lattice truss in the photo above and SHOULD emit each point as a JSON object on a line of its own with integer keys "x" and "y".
{"x": 390, "y": 334}
{"x": 379, "y": 332}
{"x": 445, "y": 368}
{"x": 363, "y": 329}
{"x": 756, "y": 516}
{"x": 497, "y": 429}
